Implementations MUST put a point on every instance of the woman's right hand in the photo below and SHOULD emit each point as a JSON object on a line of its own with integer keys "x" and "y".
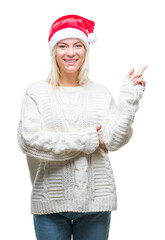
{"x": 101, "y": 143}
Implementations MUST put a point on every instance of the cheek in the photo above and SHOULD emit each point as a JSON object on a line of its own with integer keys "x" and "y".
{"x": 83, "y": 56}
{"x": 82, "y": 59}
{"x": 59, "y": 60}
{"x": 58, "y": 55}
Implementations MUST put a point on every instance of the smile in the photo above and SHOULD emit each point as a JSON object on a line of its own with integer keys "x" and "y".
{"x": 70, "y": 61}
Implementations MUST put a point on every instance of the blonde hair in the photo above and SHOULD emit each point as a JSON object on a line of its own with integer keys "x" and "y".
{"x": 54, "y": 75}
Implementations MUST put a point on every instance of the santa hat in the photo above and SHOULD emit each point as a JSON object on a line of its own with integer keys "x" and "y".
{"x": 71, "y": 26}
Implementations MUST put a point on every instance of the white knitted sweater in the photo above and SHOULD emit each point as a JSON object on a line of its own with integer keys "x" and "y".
{"x": 57, "y": 132}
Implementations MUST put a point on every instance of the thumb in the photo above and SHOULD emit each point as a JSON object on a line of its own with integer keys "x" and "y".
{"x": 130, "y": 73}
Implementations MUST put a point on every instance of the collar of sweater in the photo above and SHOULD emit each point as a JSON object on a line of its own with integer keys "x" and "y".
{"x": 73, "y": 88}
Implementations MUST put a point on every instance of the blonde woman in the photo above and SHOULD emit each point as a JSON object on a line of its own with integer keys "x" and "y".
{"x": 68, "y": 124}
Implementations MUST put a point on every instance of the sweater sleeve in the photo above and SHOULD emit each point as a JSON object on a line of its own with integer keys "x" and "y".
{"x": 48, "y": 145}
{"x": 117, "y": 130}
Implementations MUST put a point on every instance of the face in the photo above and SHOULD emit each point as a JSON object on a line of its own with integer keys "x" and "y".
{"x": 70, "y": 55}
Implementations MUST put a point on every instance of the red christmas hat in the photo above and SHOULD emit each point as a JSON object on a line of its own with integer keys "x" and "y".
{"x": 71, "y": 26}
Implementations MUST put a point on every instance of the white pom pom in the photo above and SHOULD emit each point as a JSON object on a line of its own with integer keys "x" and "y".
{"x": 92, "y": 38}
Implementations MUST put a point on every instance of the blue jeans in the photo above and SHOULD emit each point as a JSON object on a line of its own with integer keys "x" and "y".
{"x": 83, "y": 226}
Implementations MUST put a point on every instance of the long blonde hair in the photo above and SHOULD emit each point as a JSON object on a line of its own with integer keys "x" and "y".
{"x": 54, "y": 75}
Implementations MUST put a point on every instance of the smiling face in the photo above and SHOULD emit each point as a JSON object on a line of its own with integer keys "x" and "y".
{"x": 70, "y": 55}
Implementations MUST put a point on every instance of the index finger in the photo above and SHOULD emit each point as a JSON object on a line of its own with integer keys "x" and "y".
{"x": 142, "y": 69}
{"x": 140, "y": 72}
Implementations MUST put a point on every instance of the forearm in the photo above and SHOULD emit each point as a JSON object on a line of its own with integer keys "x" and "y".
{"x": 57, "y": 146}
{"x": 49, "y": 145}
{"x": 118, "y": 128}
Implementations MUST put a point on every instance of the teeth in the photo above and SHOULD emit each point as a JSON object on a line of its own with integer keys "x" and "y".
{"x": 70, "y": 61}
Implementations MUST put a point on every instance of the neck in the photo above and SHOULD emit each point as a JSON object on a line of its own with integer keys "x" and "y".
{"x": 69, "y": 79}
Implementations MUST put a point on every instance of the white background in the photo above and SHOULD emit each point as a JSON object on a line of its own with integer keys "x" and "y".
{"x": 130, "y": 34}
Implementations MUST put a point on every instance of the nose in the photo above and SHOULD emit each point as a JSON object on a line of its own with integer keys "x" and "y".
{"x": 70, "y": 51}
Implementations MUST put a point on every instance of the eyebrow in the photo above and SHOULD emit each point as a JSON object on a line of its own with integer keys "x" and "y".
{"x": 66, "y": 43}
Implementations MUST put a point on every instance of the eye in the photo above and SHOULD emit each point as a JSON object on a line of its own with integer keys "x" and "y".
{"x": 62, "y": 46}
{"x": 79, "y": 45}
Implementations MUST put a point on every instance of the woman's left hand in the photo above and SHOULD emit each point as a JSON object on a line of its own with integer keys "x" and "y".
{"x": 137, "y": 78}
{"x": 101, "y": 143}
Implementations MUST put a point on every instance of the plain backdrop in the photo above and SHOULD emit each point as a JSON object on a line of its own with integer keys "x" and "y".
{"x": 130, "y": 34}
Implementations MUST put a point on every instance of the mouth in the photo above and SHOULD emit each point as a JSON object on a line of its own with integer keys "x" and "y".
{"x": 70, "y": 60}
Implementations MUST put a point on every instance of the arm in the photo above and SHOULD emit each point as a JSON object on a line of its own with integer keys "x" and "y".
{"x": 117, "y": 130}
{"x": 53, "y": 146}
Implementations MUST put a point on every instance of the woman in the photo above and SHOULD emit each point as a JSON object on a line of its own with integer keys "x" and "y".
{"x": 68, "y": 124}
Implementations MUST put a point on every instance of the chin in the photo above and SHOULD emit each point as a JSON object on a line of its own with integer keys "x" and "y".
{"x": 71, "y": 70}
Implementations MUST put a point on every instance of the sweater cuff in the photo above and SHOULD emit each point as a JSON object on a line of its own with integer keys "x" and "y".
{"x": 128, "y": 89}
{"x": 90, "y": 141}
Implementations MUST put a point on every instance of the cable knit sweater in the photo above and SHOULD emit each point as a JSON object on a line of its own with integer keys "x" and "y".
{"x": 57, "y": 132}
